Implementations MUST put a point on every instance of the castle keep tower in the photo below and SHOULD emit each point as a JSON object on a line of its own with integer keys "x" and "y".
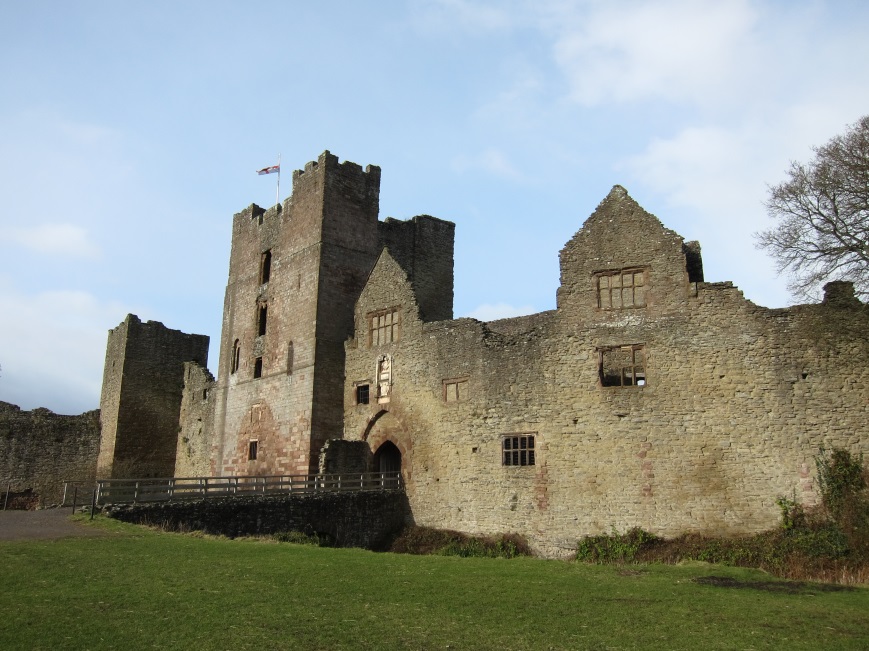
{"x": 295, "y": 273}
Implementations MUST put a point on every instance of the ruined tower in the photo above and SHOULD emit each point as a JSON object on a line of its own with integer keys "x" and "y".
{"x": 140, "y": 402}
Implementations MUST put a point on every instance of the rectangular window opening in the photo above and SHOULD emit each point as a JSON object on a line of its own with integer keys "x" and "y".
{"x": 252, "y": 449}
{"x": 362, "y": 394}
{"x": 258, "y": 367}
{"x": 383, "y": 327}
{"x": 262, "y": 318}
{"x": 517, "y": 450}
{"x": 265, "y": 267}
{"x": 623, "y": 366}
{"x": 621, "y": 289}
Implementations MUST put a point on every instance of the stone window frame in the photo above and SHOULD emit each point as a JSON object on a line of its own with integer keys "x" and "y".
{"x": 257, "y": 368}
{"x": 265, "y": 266}
{"x": 461, "y": 393}
{"x": 603, "y": 290}
{"x": 518, "y": 449}
{"x": 262, "y": 317}
{"x": 381, "y": 332}
{"x": 631, "y": 373}
{"x": 252, "y": 449}
{"x": 235, "y": 359}
{"x": 362, "y": 392}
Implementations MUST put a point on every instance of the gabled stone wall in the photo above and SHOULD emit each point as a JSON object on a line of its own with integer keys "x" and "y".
{"x": 723, "y": 413}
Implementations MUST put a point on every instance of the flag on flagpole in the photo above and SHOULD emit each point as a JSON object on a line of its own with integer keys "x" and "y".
{"x": 274, "y": 169}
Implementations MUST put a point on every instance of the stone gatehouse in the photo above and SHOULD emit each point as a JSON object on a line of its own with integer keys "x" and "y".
{"x": 647, "y": 398}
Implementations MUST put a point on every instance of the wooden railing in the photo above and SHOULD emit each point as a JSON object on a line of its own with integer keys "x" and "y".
{"x": 133, "y": 491}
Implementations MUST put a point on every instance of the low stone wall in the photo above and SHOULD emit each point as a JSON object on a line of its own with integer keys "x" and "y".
{"x": 364, "y": 519}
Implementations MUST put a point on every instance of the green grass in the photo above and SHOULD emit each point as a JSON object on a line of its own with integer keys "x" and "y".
{"x": 139, "y": 589}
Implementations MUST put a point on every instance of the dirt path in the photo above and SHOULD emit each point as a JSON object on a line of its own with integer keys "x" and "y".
{"x": 47, "y": 524}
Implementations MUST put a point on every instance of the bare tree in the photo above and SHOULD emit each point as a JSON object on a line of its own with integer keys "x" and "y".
{"x": 822, "y": 212}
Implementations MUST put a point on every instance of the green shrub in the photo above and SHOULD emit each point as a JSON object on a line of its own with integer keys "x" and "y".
{"x": 301, "y": 538}
{"x": 614, "y": 547}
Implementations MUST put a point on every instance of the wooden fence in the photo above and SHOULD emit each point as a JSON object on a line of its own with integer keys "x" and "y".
{"x": 133, "y": 491}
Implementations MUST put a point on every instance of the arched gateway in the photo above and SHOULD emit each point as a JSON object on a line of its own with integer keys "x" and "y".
{"x": 388, "y": 443}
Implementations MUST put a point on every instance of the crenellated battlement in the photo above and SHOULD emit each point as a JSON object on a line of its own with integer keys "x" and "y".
{"x": 328, "y": 162}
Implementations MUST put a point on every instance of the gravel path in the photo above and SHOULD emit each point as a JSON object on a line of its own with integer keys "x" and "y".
{"x": 47, "y": 524}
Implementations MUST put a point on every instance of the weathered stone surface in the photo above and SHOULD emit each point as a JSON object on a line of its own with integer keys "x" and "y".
{"x": 737, "y": 398}
{"x": 40, "y": 450}
{"x": 140, "y": 403}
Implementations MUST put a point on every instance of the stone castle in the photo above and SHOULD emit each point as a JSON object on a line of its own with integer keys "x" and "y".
{"x": 647, "y": 398}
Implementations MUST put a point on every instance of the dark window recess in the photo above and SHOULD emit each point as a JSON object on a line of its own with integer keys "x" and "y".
{"x": 265, "y": 267}
{"x": 623, "y": 366}
{"x": 252, "y": 449}
{"x": 236, "y": 354}
{"x": 362, "y": 394}
{"x": 290, "y": 354}
{"x": 262, "y": 318}
{"x": 517, "y": 450}
{"x": 258, "y": 367}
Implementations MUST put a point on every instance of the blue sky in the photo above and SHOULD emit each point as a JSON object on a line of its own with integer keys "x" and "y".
{"x": 130, "y": 133}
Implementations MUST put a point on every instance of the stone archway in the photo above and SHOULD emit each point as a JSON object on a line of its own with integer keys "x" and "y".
{"x": 389, "y": 443}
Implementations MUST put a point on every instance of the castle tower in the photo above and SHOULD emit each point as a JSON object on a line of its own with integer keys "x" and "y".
{"x": 295, "y": 272}
{"x": 140, "y": 402}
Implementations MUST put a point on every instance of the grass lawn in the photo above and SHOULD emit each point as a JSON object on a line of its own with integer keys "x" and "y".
{"x": 139, "y": 589}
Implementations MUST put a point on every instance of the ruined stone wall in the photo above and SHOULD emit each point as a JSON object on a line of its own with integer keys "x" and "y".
{"x": 196, "y": 430}
{"x": 141, "y": 397}
{"x": 423, "y": 246}
{"x": 40, "y": 450}
{"x": 366, "y": 519}
{"x": 724, "y": 411}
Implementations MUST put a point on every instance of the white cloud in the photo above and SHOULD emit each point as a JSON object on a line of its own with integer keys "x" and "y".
{"x": 62, "y": 239}
{"x": 54, "y": 346}
{"x": 494, "y": 311}
{"x": 676, "y": 49}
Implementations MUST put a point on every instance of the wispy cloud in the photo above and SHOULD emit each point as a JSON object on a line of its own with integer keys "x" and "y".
{"x": 54, "y": 347}
{"x": 492, "y": 161}
{"x": 55, "y": 239}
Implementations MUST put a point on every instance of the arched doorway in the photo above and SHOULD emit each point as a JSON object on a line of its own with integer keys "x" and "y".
{"x": 387, "y": 458}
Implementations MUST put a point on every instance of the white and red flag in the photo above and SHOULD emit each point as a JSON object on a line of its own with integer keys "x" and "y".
{"x": 274, "y": 169}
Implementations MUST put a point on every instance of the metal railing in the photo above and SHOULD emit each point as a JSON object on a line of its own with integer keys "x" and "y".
{"x": 134, "y": 491}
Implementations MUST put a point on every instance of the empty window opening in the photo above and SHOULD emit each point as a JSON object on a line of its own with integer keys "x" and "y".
{"x": 265, "y": 267}
{"x": 623, "y": 366}
{"x": 236, "y": 355}
{"x": 383, "y": 327}
{"x": 625, "y": 288}
{"x": 517, "y": 450}
{"x": 362, "y": 394}
{"x": 258, "y": 367}
{"x": 252, "y": 449}
{"x": 290, "y": 354}
{"x": 262, "y": 318}
{"x": 455, "y": 390}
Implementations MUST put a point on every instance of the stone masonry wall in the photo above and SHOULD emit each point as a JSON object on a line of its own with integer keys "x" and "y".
{"x": 728, "y": 405}
{"x": 141, "y": 397}
{"x": 195, "y": 436}
{"x": 39, "y": 450}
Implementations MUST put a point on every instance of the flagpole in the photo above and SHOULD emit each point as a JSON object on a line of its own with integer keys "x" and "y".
{"x": 278, "y": 192}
